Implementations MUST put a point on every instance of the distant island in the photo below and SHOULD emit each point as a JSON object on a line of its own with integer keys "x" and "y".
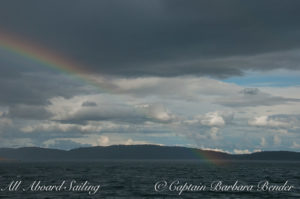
{"x": 136, "y": 152}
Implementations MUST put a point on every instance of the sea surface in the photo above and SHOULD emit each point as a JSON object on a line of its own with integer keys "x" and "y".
{"x": 147, "y": 179}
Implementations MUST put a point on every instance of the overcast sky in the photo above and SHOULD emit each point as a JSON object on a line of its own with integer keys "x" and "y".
{"x": 212, "y": 74}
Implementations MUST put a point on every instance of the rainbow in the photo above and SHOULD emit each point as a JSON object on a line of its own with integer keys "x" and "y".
{"x": 208, "y": 157}
{"x": 49, "y": 59}
{"x": 45, "y": 57}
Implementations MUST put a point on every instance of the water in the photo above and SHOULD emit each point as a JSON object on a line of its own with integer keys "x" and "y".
{"x": 136, "y": 179}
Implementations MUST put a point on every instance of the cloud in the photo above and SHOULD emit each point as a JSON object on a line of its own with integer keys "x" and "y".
{"x": 250, "y": 91}
{"x": 89, "y": 127}
{"x": 295, "y": 145}
{"x": 214, "y": 149}
{"x": 29, "y": 112}
{"x": 189, "y": 88}
{"x": 156, "y": 112}
{"x": 212, "y": 119}
{"x": 72, "y": 111}
{"x": 263, "y": 142}
{"x": 37, "y": 88}
{"x": 214, "y": 133}
{"x": 133, "y": 142}
{"x": 4, "y": 122}
{"x": 87, "y": 103}
{"x": 63, "y": 144}
{"x": 206, "y": 128}
{"x": 103, "y": 141}
{"x": 282, "y": 122}
{"x": 253, "y": 97}
{"x": 239, "y": 151}
{"x": 245, "y": 151}
{"x": 151, "y": 72}
{"x": 168, "y": 38}
{"x": 235, "y": 151}
{"x": 276, "y": 140}
{"x": 49, "y": 127}
{"x": 109, "y": 139}
{"x": 266, "y": 121}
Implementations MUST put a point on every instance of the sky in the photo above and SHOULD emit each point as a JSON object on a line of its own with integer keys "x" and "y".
{"x": 211, "y": 74}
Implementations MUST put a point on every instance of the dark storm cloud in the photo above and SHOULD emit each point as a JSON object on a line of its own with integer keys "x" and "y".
{"x": 160, "y": 38}
{"x": 25, "y": 81}
{"x": 36, "y": 89}
{"x": 28, "y": 112}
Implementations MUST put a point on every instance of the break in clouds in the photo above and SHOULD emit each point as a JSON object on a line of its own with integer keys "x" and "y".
{"x": 212, "y": 74}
